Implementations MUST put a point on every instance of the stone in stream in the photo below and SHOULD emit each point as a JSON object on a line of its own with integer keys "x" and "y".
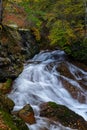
{"x": 27, "y": 114}
{"x": 63, "y": 115}
{"x": 73, "y": 89}
{"x": 62, "y": 68}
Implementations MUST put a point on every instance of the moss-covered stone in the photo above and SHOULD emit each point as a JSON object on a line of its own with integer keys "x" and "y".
{"x": 62, "y": 114}
{"x": 10, "y": 122}
{"x": 27, "y": 114}
{"x": 6, "y": 103}
{"x": 20, "y": 124}
{"x": 6, "y": 122}
{"x": 6, "y": 87}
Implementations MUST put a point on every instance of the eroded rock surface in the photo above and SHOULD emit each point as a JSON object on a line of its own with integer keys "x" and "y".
{"x": 62, "y": 114}
{"x": 27, "y": 114}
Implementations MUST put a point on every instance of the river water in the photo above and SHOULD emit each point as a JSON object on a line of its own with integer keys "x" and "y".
{"x": 40, "y": 82}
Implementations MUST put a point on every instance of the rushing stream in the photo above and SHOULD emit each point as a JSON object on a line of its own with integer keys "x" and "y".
{"x": 40, "y": 82}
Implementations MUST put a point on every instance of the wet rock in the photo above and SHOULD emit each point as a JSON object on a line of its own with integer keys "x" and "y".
{"x": 63, "y": 69}
{"x": 6, "y": 86}
{"x": 17, "y": 43}
{"x": 27, "y": 114}
{"x": 63, "y": 115}
{"x": 4, "y": 61}
{"x": 30, "y": 46}
{"x": 10, "y": 45}
{"x": 75, "y": 91}
{"x": 83, "y": 84}
{"x": 10, "y": 122}
{"x": 67, "y": 77}
{"x": 20, "y": 124}
{"x": 10, "y": 72}
{"x": 16, "y": 46}
{"x": 6, "y": 103}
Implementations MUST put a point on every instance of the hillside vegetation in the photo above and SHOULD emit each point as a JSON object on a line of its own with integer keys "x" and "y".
{"x": 60, "y": 23}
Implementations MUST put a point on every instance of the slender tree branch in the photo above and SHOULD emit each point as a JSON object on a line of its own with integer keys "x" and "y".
{"x": 1, "y": 11}
{"x": 85, "y": 4}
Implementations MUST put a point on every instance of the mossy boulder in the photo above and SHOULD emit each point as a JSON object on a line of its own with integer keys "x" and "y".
{"x": 6, "y": 86}
{"x": 10, "y": 122}
{"x": 63, "y": 115}
{"x": 6, "y": 122}
{"x": 27, "y": 114}
{"x": 20, "y": 124}
{"x": 6, "y": 103}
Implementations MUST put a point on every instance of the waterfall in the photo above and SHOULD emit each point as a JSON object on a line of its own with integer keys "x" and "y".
{"x": 41, "y": 82}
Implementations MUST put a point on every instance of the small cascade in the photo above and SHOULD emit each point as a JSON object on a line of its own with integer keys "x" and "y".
{"x": 50, "y": 77}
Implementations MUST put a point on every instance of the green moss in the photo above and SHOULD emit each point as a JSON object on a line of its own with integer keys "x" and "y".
{"x": 53, "y": 104}
{"x": 62, "y": 109}
{"x": 65, "y": 116}
{"x": 8, "y": 83}
{"x": 6, "y": 103}
{"x": 13, "y": 122}
{"x": 8, "y": 120}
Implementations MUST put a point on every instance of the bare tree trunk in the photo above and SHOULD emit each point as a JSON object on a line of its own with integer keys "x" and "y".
{"x": 1, "y": 11}
{"x": 85, "y": 3}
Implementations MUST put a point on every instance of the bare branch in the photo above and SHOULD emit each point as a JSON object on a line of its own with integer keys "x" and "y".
{"x": 1, "y": 11}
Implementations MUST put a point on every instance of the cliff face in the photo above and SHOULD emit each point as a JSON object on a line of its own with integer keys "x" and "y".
{"x": 16, "y": 46}
{"x": 17, "y": 42}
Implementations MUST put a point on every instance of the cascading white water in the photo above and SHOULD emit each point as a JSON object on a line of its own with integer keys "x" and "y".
{"x": 40, "y": 82}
